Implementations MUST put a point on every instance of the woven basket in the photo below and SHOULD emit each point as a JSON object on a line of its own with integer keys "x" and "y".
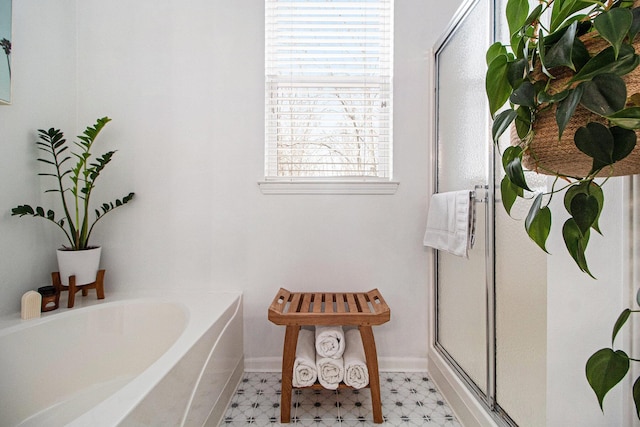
{"x": 549, "y": 156}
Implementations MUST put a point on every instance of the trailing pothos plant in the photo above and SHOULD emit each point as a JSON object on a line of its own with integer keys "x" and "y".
{"x": 73, "y": 181}
{"x": 545, "y": 42}
{"x": 607, "y": 367}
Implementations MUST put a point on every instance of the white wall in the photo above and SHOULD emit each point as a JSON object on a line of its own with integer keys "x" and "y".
{"x": 581, "y": 313}
{"x": 183, "y": 83}
{"x": 44, "y": 95}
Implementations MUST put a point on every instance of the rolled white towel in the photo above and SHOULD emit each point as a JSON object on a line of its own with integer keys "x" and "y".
{"x": 330, "y": 371}
{"x": 330, "y": 341}
{"x": 304, "y": 366}
{"x": 356, "y": 374}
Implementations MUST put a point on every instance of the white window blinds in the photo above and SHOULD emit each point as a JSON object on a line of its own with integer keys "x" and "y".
{"x": 328, "y": 70}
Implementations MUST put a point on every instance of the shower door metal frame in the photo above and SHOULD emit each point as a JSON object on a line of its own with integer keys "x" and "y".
{"x": 487, "y": 400}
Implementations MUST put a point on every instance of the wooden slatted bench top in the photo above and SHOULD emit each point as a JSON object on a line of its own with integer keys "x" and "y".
{"x": 329, "y": 308}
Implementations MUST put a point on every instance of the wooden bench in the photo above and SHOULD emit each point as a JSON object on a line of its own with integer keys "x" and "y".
{"x": 296, "y": 309}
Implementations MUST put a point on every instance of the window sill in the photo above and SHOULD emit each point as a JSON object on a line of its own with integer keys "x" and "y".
{"x": 328, "y": 187}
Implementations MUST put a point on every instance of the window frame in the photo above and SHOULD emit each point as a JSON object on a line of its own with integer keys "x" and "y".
{"x": 359, "y": 184}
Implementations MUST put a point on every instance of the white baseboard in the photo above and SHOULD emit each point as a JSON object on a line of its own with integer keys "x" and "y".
{"x": 385, "y": 364}
{"x": 467, "y": 409}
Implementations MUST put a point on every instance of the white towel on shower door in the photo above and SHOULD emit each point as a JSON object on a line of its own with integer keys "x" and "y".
{"x": 330, "y": 341}
{"x": 356, "y": 374}
{"x": 450, "y": 222}
{"x": 304, "y": 365}
{"x": 330, "y": 371}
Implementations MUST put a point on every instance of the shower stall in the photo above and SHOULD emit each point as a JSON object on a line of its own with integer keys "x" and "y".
{"x": 479, "y": 330}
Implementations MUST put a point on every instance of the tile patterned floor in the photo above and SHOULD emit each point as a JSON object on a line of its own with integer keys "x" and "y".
{"x": 408, "y": 399}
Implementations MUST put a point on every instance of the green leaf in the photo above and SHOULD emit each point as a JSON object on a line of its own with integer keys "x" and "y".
{"x": 509, "y": 193}
{"x": 545, "y": 97}
{"x": 576, "y": 243}
{"x": 613, "y": 26}
{"x": 524, "y": 95}
{"x": 589, "y": 188}
{"x": 585, "y": 210}
{"x": 606, "y": 368}
{"x": 580, "y": 55}
{"x": 538, "y": 223}
{"x": 622, "y": 319}
{"x": 502, "y": 122}
{"x": 606, "y": 62}
{"x": 629, "y": 118}
{"x": 512, "y": 164}
{"x": 533, "y": 16}
{"x": 560, "y": 53}
{"x": 517, "y": 12}
{"x": 596, "y": 141}
{"x": 515, "y": 72}
{"x": 494, "y": 51}
{"x": 636, "y": 395}
{"x": 635, "y": 26}
{"x": 604, "y": 95}
{"x": 563, "y": 9}
{"x": 523, "y": 122}
{"x": 567, "y": 107}
{"x": 497, "y": 84}
{"x": 624, "y": 141}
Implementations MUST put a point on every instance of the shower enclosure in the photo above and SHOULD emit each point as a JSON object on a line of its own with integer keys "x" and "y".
{"x": 496, "y": 349}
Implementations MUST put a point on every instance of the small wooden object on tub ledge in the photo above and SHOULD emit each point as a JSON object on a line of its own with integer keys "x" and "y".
{"x": 98, "y": 285}
{"x": 296, "y": 309}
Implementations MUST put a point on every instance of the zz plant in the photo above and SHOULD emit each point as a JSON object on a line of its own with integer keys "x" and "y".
{"x": 74, "y": 181}
{"x": 545, "y": 42}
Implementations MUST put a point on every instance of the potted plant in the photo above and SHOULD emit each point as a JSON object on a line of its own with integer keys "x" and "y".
{"x": 74, "y": 182}
{"x": 570, "y": 82}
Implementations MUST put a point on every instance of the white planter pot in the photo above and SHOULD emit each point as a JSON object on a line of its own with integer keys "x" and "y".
{"x": 83, "y": 264}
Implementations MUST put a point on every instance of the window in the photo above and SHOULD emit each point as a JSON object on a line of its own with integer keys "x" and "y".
{"x": 328, "y": 85}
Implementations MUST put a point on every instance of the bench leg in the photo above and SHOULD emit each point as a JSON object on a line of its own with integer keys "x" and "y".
{"x": 288, "y": 357}
{"x": 369, "y": 344}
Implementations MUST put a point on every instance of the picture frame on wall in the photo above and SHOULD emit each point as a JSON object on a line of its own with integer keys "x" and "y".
{"x": 5, "y": 51}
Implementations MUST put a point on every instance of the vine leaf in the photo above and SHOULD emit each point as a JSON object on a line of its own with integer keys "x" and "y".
{"x": 585, "y": 210}
{"x": 561, "y": 52}
{"x": 604, "y": 95}
{"x": 636, "y": 395}
{"x": 576, "y": 243}
{"x": 517, "y": 12}
{"x": 524, "y": 95}
{"x": 596, "y": 141}
{"x": 567, "y": 107}
{"x": 512, "y": 164}
{"x": 497, "y": 84}
{"x": 538, "y": 223}
{"x": 613, "y": 26}
{"x": 629, "y": 118}
{"x": 606, "y": 368}
{"x": 588, "y": 187}
{"x": 501, "y": 123}
{"x": 622, "y": 319}
{"x": 509, "y": 193}
{"x": 606, "y": 62}
{"x": 494, "y": 51}
{"x": 624, "y": 141}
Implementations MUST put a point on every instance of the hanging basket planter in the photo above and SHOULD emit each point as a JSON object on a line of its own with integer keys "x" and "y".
{"x": 547, "y": 154}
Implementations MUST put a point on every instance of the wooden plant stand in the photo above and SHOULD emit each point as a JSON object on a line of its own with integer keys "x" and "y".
{"x": 98, "y": 285}
{"x": 296, "y": 309}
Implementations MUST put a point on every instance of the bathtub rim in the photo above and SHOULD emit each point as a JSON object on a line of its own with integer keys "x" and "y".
{"x": 197, "y": 307}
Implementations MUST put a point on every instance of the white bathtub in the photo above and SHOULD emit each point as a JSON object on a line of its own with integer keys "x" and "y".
{"x": 126, "y": 360}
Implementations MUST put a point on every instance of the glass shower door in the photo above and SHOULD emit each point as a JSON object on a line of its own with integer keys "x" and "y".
{"x": 463, "y": 151}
